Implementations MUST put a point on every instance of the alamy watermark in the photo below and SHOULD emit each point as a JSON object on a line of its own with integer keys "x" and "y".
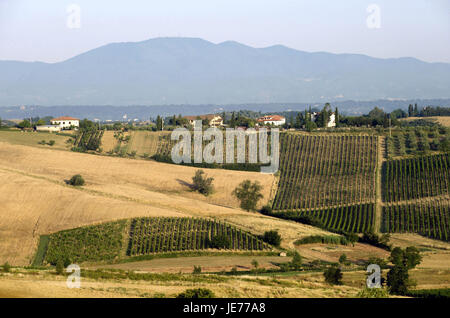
{"x": 374, "y": 277}
{"x": 213, "y": 152}
{"x": 74, "y": 279}
{"x": 74, "y": 16}
{"x": 373, "y": 20}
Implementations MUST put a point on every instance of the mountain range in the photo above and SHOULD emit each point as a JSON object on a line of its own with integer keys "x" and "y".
{"x": 194, "y": 71}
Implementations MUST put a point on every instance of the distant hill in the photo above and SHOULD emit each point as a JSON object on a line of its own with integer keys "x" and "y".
{"x": 145, "y": 112}
{"x": 194, "y": 71}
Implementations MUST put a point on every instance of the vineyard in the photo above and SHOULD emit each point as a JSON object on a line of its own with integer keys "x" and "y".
{"x": 355, "y": 218}
{"x": 416, "y": 177}
{"x": 165, "y": 145}
{"x": 88, "y": 139}
{"x": 90, "y": 243}
{"x": 428, "y": 218}
{"x": 155, "y": 235}
{"x": 325, "y": 171}
{"x": 143, "y": 236}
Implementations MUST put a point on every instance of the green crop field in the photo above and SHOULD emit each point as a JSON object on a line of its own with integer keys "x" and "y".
{"x": 35, "y": 139}
{"x": 356, "y": 218}
{"x": 143, "y": 236}
{"x": 416, "y": 177}
{"x": 325, "y": 171}
{"x": 428, "y": 218}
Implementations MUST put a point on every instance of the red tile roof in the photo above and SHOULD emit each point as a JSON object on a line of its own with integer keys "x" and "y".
{"x": 271, "y": 118}
{"x": 64, "y": 118}
{"x": 210, "y": 116}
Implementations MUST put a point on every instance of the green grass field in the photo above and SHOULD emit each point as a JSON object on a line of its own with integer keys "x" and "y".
{"x": 19, "y": 137}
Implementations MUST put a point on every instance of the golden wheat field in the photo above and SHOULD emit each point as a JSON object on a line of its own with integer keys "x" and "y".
{"x": 36, "y": 199}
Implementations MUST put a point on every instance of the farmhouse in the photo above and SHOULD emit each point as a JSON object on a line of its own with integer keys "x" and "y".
{"x": 66, "y": 122}
{"x": 213, "y": 120}
{"x": 276, "y": 120}
{"x": 49, "y": 128}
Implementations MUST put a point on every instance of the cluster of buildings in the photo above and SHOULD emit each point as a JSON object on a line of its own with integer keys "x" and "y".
{"x": 60, "y": 123}
{"x": 66, "y": 122}
{"x": 217, "y": 121}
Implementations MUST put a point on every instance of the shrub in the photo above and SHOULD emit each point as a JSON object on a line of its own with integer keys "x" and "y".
{"x": 373, "y": 293}
{"x": 255, "y": 264}
{"x": 343, "y": 259}
{"x": 272, "y": 237}
{"x": 220, "y": 241}
{"x": 267, "y": 209}
{"x": 202, "y": 184}
{"x": 6, "y": 267}
{"x": 196, "y": 293}
{"x": 333, "y": 275}
{"x": 133, "y": 154}
{"x": 51, "y": 142}
{"x": 197, "y": 270}
{"x": 249, "y": 194}
{"x": 76, "y": 180}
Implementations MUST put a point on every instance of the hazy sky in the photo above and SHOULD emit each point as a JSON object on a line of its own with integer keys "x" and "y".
{"x": 37, "y": 30}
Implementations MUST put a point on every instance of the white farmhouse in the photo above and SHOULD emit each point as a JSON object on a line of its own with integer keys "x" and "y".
{"x": 65, "y": 122}
{"x": 276, "y": 120}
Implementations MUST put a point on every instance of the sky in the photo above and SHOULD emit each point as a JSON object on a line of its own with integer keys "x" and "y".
{"x": 55, "y": 30}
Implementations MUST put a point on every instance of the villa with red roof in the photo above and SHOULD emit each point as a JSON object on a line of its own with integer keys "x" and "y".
{"x": 275, "y": 120}
{"x": 66, "y": 122}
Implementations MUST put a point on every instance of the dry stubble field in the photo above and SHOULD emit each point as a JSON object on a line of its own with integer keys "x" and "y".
{"x": 37, "y": 201}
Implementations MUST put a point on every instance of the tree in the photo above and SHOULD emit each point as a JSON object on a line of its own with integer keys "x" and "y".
{"x": 24, "y": 124}
{"x": 255, "y": 264}
{"x": 398, "y": 277}
{"x": 324, "y": 116}
{"x": 76, "y": 180}
{"x": 272, "y": 237}
{"x": 159, "y": 123}
{"x": 88, "y": 124}
{"x": 40, "y": 122}
{"x": 410, "y": 110}
{"x": 249, "y": 194}
{"x": 296, "y": 261}
{"x": 333, "y": 275}
{"x": 220, "y": 241}
{"x": 336, "y": 117}
{"x": 398, "y": 280}
{"x": 343, "y": 259}
{"x": 202, "y": 184}
{"x": 60, "y": 267}
{"x": 196, "y": 293}
{"x": 0, "y": 123}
